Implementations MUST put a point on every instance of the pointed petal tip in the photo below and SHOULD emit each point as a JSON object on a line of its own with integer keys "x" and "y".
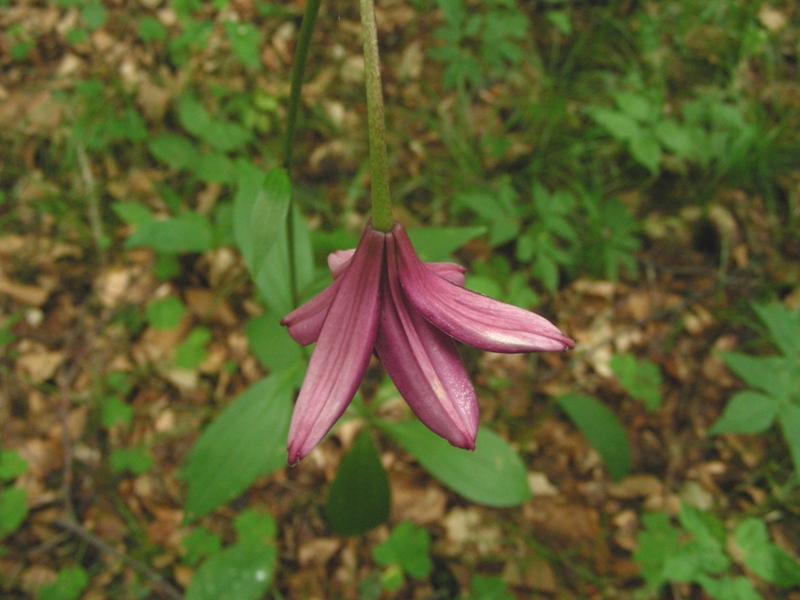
{"x": 295, "y": 452}
{"x": 458, "y": 437}
{"x": 564, "y": 343}
{"x": 466, "y": 444}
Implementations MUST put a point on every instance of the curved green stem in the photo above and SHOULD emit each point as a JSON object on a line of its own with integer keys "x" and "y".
{"x": 298, "y": 71}
{"x": 378, "y": 162}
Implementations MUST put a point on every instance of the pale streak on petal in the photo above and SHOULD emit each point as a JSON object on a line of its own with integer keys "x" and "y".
{"x": 424, "y": 364}
{"x": 343, "y": 349}
{"x": 470, "y": 317}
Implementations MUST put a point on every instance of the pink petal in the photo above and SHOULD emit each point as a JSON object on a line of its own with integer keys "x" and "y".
{"x": 471, "y": 317}
{"x": 424, "y": 364}
{"x": 343, "y": 349}
{"x": 338, "y": 261}
{"x": 452, "y": 272}
{"x": 305, "y": 322}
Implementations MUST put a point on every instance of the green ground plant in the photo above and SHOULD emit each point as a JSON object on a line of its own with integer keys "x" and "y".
{"x": 699, "y": 551}
{"x": 775, "y": 398}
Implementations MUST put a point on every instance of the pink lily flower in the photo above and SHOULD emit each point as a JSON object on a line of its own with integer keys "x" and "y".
{"x": 385, "y": 298}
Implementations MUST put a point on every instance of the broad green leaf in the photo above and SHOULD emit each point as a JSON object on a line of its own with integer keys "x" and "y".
{"x": 225, "y": 136}
{"x": 438, "y": 243}
{"x": 200, "y": 543}
{"x": 546, "y": 271}
{"x": 676, "y": 138}
{"x": 409, "y": 547}
{"x": 640, "y": 378}
{"x": 189, "y": 232}
{"x": 767, "y": 560}
{"x": 214, "y": 167}
{"x": 11, "y": 465}
{"x": 747, "y": 412}
{"x": 175, "y": 150}
{"x": 94, "y": 15}
{"x": 495, "y": 206}
{"x": 694, "y": 559}
{"x": 194, "y": 36}
{"x": 273, "y": 278}
{"x": 150, "y": 29}
{"x": 192, "y": 115}
{"x": 783, "y": 326}
{"x": 603, "y": 431}
{"x": 359, "y": 496}
{"x": 247, "y": 440}
{"x": 484, "y": 285}
{"x": 789, "y": 417}
{"x": 728, "y": 588}
{"x": 770, "y": 374}
{"x": 634, "y": 105}
{"x": 325, "y": 242}
{"x": 130, "y": 460}
{"x": 192, "y": 351}
{"x": 249, "y": 188}
{"x": 7, "y": 335}
{"x": 493, "y": 475}
{"x": 132, "y": 213}
{"x": 245, "y": 40}
{"x": 241, "y": 572}
{"x": 255, "y": 526}
{"x": 69, "y": 585}
{"x": 647, "y": 151}
{"x": 489, "y": 588}
{"x": 560, "y": 19}
{"x": 116, "y": 412}
{"x": 271, "y": 342}
{"x": 13, "y": 509}
{"x": 223, "y": 225}
{"x": 704, "y": 526}
{"x": 619, "y": 125}
{"x": 259, "y": 212}
{"x": 119, "y": 381}
{"x": 129, "y": 126}
{"x": 519, "y": 292}
{"x": 165, "y": 313}
{"x": 656, "y": 542}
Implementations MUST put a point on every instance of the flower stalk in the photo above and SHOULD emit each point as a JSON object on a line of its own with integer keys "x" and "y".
{"x": 298, "y": 73}
{"x": 378, "y": 162}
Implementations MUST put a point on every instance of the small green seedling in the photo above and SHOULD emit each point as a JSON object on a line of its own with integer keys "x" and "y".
{"x": 775, "y": 379}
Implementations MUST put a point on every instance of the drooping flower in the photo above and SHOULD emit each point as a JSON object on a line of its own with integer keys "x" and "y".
{"x": 384, "y": 298}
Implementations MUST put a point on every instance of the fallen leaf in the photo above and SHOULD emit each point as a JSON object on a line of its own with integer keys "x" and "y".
{"x": 31, "y": 295}
{"x": 40, "y": 367}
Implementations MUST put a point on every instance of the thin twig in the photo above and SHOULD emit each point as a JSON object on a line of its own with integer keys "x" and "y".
{"x": 65, "y": 378}
{"x": 77, "y": 529}
{"x": 69, "y": 522}
{"x": 95, "y": 220}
